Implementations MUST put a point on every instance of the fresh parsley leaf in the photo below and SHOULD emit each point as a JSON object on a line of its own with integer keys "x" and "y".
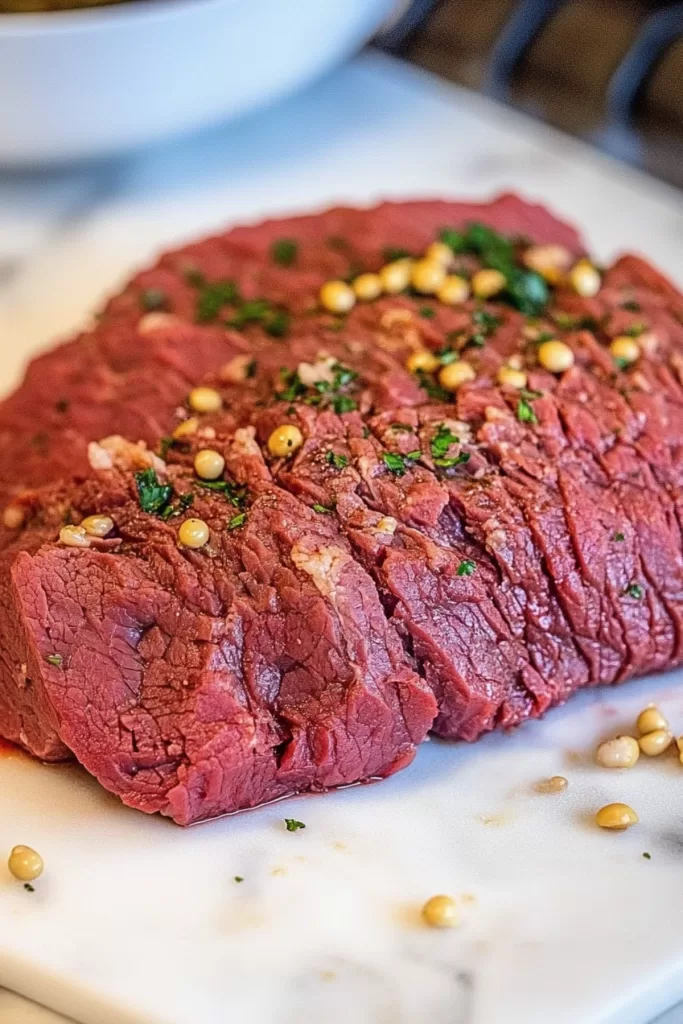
{"x": 54, "y": 659}
{"x": 393, "y": 252}
{"x": 152, "y": 495}
{"x": 338, "y": 461}
{"x": 413, "y": 456}
{"x": 433, "y": 389}
{"x": 153, "y": 299}
{"x": 194, "y": 277}
{"x": 525, "y": 414}
{"x": 621, "y": 363}
{"x": 295, "y": 386}
{"x": 618, "y": 536}
{"x": 455, "y": 240}
{"x": 342, "y": 403}
{"x": 277, "y": 324}
{"x": 323, "y": 509}
{"x": 485, "y": 321}
{"x": 176, "y": 508}
{"x": 448, "y": 355}
{"x": 466, "y": 567}
{"x": 394, "y": 463}
{"x": 527, "y": 290}
{"x": 237, "y": 521}
{"x": 647, "y": 856}
{"x": 233, "y": 493}
{"x": 212, "y": 298}
{"x": 293, "y": 825}
{"x": 284, "y": 251}
{"x": 238, "y": 878}
{"x": 637, "y": 328}
{"x": 427, "y": 312}
{"x": 439, "y": 445}
{"x": 635, "y": 590}
{"x": 165, "y": 444}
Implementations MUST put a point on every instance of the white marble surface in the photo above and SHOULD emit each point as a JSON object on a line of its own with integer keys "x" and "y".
{"x": 138, "y": 922}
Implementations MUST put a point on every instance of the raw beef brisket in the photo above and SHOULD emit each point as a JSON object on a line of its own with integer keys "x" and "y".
{"x": 456, "y": 560}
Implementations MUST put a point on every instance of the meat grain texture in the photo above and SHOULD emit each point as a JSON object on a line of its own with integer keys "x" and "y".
{"x": 425, "y": 560}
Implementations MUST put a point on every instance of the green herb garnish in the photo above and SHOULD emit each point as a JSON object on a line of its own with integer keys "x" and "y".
{"x": 428, "y": 312}
{"x": 525, "y": 414}
{"x": 152, "y": 495}
{"x": 647, "y": 856}
{"x": 392, "y": 253}
{"x": 238, "y": 878}
{"x": 153, "y": 299}
{"x": 466, "y": 567}
{"x": 635, "y": 590}
{"x": 440, "y": 443}
{"x": 176, "y": 508}
{"x": 323, "y": 509}
{"x": 338, "y": 461}
{"x": 293, "y": 825}
{"x": 394, "y": 463}
{"x": 618, "y": 536}
{"x": 194, "y": 277}
{"x": 54, "y": 659}
{"x": 29, "y": 887}
{"x": 343, "y": 404}
{"x": 237, "y": 521}
{"x": 433, "y": 389}
{"x": 212, "y": 298}
{"x": 413, "y": 456}
{"x": 233, "y": 493}
{"x": 284, "y": 251}
{"x": 455, "y": 240}
{"x": 637, "y": 328}
{"x": 165, "y": 444}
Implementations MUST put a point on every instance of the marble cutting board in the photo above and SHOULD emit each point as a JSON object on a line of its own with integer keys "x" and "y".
{"x": 138, "y": 922}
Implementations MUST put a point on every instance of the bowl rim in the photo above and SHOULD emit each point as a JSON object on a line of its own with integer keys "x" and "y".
{"x": 40, "y": 23}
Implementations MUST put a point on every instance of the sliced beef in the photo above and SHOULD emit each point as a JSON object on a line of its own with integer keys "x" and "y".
{"x": 460, "y": 562}
{"x": 200, "y": 683}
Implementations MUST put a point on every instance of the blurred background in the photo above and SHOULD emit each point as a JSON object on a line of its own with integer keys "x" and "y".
{"x": 609, "y": 71}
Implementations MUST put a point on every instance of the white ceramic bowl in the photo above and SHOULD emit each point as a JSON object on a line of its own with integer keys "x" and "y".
{"x": 77, "y": 84}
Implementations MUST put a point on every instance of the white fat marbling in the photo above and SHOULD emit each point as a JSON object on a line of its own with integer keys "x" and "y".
{"x": 137, "y": 921}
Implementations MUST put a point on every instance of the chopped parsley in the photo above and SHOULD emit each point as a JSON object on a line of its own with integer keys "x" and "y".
{"x": 525, "y": 414}
{"x": 194, "y": 277}
{"x": 259, "y": 311}
{"x": 153, "y": 299}
{"x": 323, "y": 392}
{"x": 238, "y": 878}
{"x": 621, "y": 363}
{"x": 284, "y": 251}
{"x": 485, "y": 321}
{"x": 439, "y": 445}
{"x": 176, "y": 508}
{"x": 466, "y": 567}
{"x": 394, "y": 463}
{"x": 293, "y": 825}
{"x": 152, "y": 495}
{"x": 428, "y": 312}
{"x": 29, "y": 887}
{"x": 647, "y": 856}
{"x": 434, "y": 390}
{"x": 565, "y": 321}
{"x": 237, "y": 521}
{"x": 338, "y": 461}
{"x": 212, "y": 298}
{"x": 525, "y": 289}
{"x": 323, "y": 510}
{"x": 233, "y": 493}
{"x": 165, "y": 444}
{"x": 413, "y": 456}
{"x": 637, "y": 328}
{"x": 618, "y": 536}
{"x": 54, "y": 659}
{"x": 393, "y": 252}
{"x": 455, "y": 240}
{"x": 635, "y": 591}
